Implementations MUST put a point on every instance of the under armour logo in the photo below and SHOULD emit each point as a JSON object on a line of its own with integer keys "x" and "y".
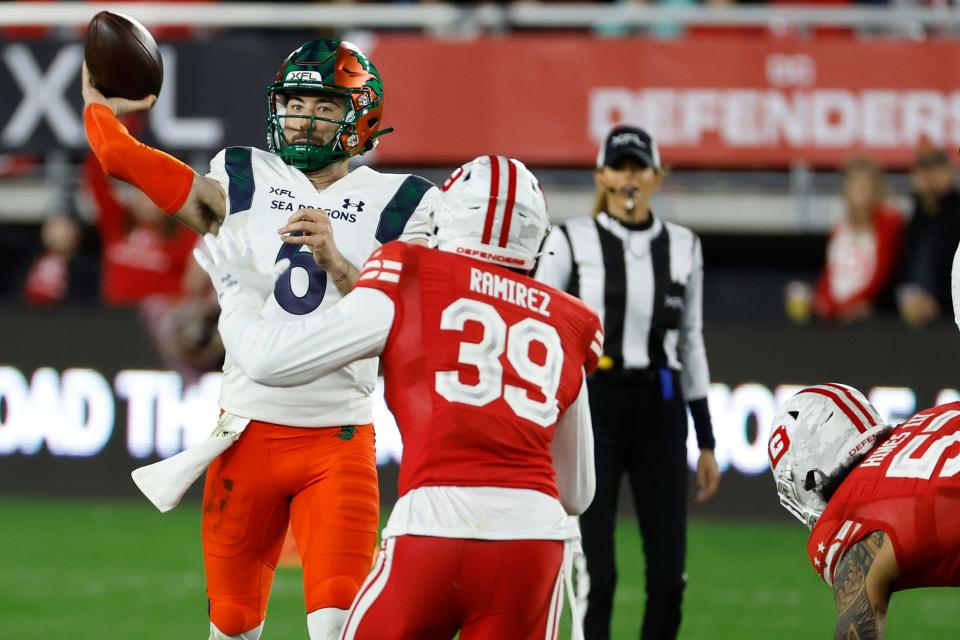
{"x": 356, "y": 205}
{"x": 627, "y": 138}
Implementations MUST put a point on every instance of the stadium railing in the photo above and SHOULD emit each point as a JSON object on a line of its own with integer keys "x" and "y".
{"x": 453, "y": 18}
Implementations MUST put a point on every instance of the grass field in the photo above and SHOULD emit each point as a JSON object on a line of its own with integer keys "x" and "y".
{"x": 90, "y": 571}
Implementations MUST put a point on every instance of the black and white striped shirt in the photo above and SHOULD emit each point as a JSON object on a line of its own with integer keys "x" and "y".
{"x": 646, "y": 283}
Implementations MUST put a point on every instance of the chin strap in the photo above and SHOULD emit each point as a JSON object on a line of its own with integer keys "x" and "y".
{"x": 372, "y": 140}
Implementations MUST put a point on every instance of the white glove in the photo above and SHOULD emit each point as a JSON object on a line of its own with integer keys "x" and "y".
{"x": 229, "y": 261}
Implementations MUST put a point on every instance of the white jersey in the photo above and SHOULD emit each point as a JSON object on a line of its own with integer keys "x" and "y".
{"x": 366, "y": 209}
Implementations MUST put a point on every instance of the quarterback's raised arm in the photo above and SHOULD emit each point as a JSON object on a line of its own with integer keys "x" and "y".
{"x": 287, "y": 353}
{"x": 572, "y": 450}
{"x": 196, "y": 201}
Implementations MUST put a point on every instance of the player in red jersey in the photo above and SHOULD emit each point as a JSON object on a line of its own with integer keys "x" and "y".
{"x": 485, "y": 373}
{"x": 883, "y": 502}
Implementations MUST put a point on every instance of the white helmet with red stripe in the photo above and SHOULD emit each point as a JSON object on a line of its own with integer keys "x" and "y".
{"x": 494, "y": 211}
{"x": 815, "y": 433}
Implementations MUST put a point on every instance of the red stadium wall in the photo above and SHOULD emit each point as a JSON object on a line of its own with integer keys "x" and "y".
{"x": 731, "y": 102}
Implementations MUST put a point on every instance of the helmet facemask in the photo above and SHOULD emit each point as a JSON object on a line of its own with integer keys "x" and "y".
{"x": 315, "y": 153}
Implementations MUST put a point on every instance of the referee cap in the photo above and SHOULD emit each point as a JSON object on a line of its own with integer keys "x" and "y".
{"x": 625, "y": 141}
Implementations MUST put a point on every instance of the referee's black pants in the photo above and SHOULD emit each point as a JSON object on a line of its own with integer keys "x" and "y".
{"x": 640, "y": 428}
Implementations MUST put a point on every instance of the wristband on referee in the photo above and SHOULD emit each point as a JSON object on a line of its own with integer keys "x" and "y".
{"x": 164, "y": 179}
{"x": 702, "y": 424}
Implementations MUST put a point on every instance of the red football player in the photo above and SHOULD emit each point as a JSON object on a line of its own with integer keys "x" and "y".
{"x": 485, "y": 373}
{"x": 883, "y": 502}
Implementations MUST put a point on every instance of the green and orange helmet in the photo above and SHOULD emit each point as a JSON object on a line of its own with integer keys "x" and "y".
{"x": 334, "y": 67}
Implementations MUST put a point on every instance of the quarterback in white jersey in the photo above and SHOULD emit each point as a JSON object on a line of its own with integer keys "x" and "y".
{"x": 366, "y": 209}
{"x": 485, "y": 372}
{"x": 302, "y": 454}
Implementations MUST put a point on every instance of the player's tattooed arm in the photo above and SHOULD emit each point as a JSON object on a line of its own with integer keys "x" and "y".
{"x": 860, "y": 617}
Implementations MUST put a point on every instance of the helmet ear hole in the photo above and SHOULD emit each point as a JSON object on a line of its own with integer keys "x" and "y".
{"x": 810, "y": 482}
{"x": 794, "y": 414}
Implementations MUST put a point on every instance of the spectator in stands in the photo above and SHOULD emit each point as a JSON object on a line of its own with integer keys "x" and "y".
{"x": 63, "y": 272}
{"x": 862, "y": 250}
{"x": 184, "y": 329}
{"x": 145, "y": 251}
{"x": 931, "y": 239}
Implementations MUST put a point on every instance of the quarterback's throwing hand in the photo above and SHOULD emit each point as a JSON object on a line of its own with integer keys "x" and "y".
{"x": 229, "y": 261}
{"x": 120, "y": 106}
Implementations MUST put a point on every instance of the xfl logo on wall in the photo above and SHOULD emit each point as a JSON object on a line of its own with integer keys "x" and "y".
{"x": 42, "y": 106}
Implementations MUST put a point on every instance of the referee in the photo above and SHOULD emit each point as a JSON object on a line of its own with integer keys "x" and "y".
{"x": 644, "y": 276}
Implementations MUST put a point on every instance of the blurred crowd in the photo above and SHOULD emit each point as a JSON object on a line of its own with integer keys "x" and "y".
{"x": 776, "y": 28}
{"x": 878, "y": 259}
{"x": 134, "y": 255}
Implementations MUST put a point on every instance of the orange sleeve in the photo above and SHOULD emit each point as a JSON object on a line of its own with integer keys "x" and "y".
{"x": 166, "y": 180}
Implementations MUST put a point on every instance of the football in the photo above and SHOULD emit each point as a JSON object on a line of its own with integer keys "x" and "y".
{"x": 122, "y": 57}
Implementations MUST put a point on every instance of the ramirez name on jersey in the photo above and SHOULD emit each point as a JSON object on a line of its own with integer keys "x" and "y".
{"x": 509, "y": 290}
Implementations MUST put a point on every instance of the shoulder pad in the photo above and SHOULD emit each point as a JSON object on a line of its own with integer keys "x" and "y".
{"x": 384, "y": 265}
{"x": 397, "y": 212}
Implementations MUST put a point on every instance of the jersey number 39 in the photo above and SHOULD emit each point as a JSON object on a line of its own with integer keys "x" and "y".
{"x": 485, "y": 355}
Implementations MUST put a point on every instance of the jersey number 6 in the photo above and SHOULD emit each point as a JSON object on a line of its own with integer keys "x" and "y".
{"x": 485, "y": 356}
{"x": 316, "y": 281}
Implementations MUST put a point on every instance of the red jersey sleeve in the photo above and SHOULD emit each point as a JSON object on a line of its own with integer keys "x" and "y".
{"x": 593, "y": 337}
{"x": 383, "y": 268}
{"x": 836, "y": 532}
{"x": 829, "y": 542}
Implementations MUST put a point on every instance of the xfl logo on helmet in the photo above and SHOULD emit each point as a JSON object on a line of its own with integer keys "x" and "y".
{"x": 358, "y": 205}
{"x": 300, "y": 76}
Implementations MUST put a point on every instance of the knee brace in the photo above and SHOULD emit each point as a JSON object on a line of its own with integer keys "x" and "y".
{"x": 234, "y": 621}
{"x": 325, "y": 624}
{"x": 249, "y": 634}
